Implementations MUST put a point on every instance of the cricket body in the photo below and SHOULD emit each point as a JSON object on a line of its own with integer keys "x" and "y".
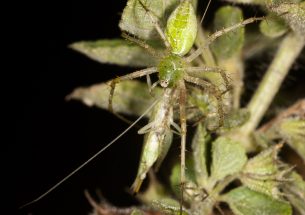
{"x": 158, "y": 135}
{"x": 180, "y": 33}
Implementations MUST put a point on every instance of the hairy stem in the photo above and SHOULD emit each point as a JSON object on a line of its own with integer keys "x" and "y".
{"x": 287, "y": 53}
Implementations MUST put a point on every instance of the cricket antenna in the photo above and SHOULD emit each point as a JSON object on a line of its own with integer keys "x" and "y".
{"x": 206, "y": 9}
{"x": 90, "y": 159}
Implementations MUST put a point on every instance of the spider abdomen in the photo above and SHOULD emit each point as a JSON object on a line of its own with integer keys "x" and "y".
{"x": 181, "y": 28}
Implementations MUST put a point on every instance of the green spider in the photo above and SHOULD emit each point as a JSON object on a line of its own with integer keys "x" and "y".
{"x": 174, "y": 72}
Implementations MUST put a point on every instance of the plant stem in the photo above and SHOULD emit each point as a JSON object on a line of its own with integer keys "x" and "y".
{"x": 287, "y": 53}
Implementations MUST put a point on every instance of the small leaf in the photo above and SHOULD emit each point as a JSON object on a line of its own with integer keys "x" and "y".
{"x": 137, "y": 21}
{"x": 244, "y": 201}
{"x": 231, "y": 43}
{"x": 228, "y": 157}
{"x": 130, "y": 97}
{"x": 116, "y": 51}
{"x": 273, "y": 26}
{"x": 288, "y": 126}
{"x": 293, "y": 14}
{"x": 199, "y": 146}
{"x": 264, "y": 162}
{"x": 263, "y": 185}
{"x": 293, "y": 131}
{"x": 261, "y": 173}
{"x": 295, "y": 190}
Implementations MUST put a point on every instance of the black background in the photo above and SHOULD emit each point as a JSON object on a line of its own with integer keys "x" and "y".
{"x": 52, "y": 136}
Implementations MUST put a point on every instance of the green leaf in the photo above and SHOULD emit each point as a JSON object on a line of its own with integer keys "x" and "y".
{"x": 130, "y": 97}
{"x": 295, "y": 190}
{"x": 228, "y": 157}
{"x": 293, "y": 14}
{"x": 244, "y": 201}
{"x": 137, "y": 21}
{"x": 231, "y": 43}
{"x": 293, "y": 131}
{"x": 273, "y": 26}
{"x": 199, "y": 146}
{"x": 261, "y": 172}
{"x": 116, "y": 51}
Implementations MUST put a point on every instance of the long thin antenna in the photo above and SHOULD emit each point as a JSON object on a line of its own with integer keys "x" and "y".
{"x": 206, "y": 9}
{"x": 90, "y": 159}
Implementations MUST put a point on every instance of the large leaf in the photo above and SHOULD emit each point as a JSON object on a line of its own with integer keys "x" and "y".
{"x": 231, "y": 43}
{"x": 116, "y": 51}
{"x": 130, "y": 97}
{"x": 244, "y": 201}
{"x": 137, "y": 21}
{"x": 228, "y": 157}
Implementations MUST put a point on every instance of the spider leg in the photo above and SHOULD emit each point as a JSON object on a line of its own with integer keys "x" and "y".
{"x": 182, "y": 101}
{"x": 129, "y": 76}
{"x": 150, "y": 85}
{"x": 219, "y": 33}
{"x": 199, "y": 70}
{"x": 156, "y": 24}
{"x": 142, "y": 44}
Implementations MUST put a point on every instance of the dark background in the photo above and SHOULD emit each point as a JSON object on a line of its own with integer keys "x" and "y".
{"x": 51, "y": 136}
